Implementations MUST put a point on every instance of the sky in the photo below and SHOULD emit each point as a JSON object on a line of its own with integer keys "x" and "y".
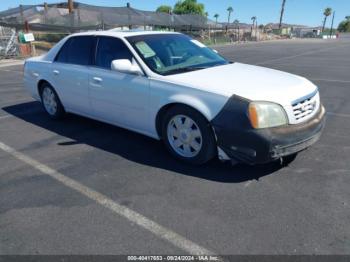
{"x": 305, "y": 12}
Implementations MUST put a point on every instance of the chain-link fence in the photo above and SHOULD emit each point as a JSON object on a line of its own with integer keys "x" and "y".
{"x": 87, "y": 17}
{"x": 8, "y": 43}
{"x": 51, "y": 22}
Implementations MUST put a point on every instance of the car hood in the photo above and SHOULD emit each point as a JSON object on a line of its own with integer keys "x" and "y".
{"x": 252, "y": 82}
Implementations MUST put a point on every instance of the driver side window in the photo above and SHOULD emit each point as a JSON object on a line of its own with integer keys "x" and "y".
{"x": 109, "y": 49}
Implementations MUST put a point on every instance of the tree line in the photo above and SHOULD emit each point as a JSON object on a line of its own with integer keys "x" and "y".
{"x": 194, "y": 7}
{"x": 183, "y": 7}
{"x": 344, "y": 26}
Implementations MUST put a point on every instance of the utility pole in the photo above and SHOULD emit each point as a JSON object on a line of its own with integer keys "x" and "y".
{"x": 46, "y": 9}
{"x": 239, "y": 34}
{"x": 331, "y": 33}
{"x": 26, "y": 26}
{"x": 79, "y": 19}
{"x": 257, "y": 34}
{"x": 70, "y": 6}
{"x": 23, "y": 20}
{"x": 71, "y": 12}
{"x": 21, "y": 13}
{"x": 129, "y": 16}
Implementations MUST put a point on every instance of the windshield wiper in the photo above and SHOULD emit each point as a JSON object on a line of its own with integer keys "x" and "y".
{"x": 184, "y": 70}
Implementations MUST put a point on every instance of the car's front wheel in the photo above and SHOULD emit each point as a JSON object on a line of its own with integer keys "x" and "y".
{"x": 51, "y": 102}
{"x": 188, "y": 135}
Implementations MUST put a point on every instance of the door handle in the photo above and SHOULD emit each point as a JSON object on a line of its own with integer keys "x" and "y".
{"x": 35, "y": 74}
{"x": 97, "y": 79}
{"x": 56, "y": 72}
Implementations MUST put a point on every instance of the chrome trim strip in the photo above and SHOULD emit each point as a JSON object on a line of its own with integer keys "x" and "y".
{"x": 305, "y": 97}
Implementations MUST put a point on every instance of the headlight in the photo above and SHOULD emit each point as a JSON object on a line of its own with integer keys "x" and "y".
{"x": 265, "y": 114}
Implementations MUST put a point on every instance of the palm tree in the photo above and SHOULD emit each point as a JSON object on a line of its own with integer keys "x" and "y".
{"x": 281, "y": 15}
{"x": 253, "y": 19}
{"x": 347, "y": 17}
{"x": 216, "y": 23}
{"x": 327, "y": 12}
{"x": 253, "y": 25}
{"x": 216, "y": 19}
{"x": 229, "y": 10}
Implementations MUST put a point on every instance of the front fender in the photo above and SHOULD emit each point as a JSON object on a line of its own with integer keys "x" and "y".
{"x": 193, "y": 102}
{"x": 165, "y": 93}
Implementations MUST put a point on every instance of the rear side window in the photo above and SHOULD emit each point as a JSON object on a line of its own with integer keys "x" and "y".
{"x": 62, "y": 56}
{"x": 77, "y": 50}
{"x": 109, "y": 49}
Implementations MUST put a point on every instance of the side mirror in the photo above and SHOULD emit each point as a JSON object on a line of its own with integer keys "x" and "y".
{"x": 125, "y": 66}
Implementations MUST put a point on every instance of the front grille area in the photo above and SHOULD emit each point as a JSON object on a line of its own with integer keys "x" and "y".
{"x": 304, "y": 107}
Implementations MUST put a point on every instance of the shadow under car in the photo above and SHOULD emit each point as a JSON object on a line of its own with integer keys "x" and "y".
{"x": 133, "y": 146}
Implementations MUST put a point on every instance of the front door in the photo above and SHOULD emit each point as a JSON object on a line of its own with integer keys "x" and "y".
{"x": 118, "y": 97}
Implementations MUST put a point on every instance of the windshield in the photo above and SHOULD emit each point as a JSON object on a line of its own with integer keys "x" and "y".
{"x": 168, "y": 54}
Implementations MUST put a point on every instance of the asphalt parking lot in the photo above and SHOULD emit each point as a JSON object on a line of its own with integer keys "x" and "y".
{"x": 79, "y": 186}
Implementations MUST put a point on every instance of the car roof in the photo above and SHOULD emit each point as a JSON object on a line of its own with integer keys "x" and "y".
{"x": 122, "y": 33}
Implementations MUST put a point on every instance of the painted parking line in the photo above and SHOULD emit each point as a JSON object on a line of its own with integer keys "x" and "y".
{"x": 131, "y": 215}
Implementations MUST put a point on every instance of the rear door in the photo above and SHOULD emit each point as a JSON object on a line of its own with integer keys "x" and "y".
{"x": 118, "y": 97}
{"x": 70, "y": 73}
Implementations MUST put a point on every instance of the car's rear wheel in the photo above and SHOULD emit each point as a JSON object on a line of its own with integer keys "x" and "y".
{"x": 188, "y": 135}
{"x": 51, "y": 102}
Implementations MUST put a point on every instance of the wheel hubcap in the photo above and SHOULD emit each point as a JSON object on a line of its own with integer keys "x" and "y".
{"x": 49, "y": 100}
{"x": 184, "y": 136}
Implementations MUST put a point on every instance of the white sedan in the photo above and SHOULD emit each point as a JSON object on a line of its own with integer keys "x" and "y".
{"x": 171, "y": 87}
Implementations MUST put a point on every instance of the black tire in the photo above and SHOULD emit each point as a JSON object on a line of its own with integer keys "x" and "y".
{"x": 59, "y": 111}
{"x": 208, "y": 145}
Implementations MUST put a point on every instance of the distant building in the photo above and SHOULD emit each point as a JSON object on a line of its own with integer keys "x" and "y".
{"x": 307, "y": 31}
{"x": 235, "y": 26}
{"x": 286, "y": 29}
